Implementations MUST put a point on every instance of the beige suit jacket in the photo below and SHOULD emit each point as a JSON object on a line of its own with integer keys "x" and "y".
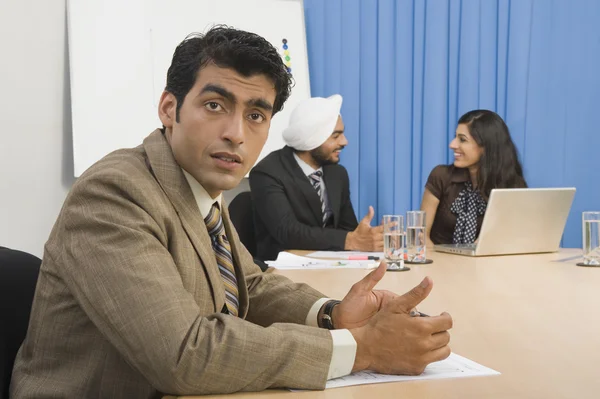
{"x": 129, "y": 296}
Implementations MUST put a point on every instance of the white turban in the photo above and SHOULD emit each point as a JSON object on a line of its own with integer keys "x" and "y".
{"x": 312, "y": 122}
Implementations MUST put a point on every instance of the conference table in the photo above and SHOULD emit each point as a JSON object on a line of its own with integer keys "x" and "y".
{"x": 534, "y": 318}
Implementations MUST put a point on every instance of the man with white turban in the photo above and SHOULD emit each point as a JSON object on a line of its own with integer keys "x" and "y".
{"x": 300, "y": 193}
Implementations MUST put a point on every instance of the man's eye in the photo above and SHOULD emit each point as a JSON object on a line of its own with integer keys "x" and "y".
{"x": 257, "y": 117}
{"x": 213, "y": 106}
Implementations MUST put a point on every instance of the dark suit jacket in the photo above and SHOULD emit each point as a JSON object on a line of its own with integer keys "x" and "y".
{"x": 129, "y": 296}
{"x": 287, "y": 209}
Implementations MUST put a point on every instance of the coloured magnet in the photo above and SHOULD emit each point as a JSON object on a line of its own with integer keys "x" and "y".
{"x": 289, "y": 70}
{"x": 288, "y": 64}
{"x": 286, "y": 52}
{"x": 287, "y": 58}
{"x": 284, "y": 41}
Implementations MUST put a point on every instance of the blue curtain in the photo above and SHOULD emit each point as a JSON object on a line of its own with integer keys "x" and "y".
{"x": 408, "y": 69}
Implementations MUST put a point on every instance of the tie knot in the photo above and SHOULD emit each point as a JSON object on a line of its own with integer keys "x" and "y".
{"x": 316, "y": 176}
{"x": 214, "y": 222}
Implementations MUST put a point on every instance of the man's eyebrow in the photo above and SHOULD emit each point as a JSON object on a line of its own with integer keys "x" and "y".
{"x": 223, "y": 92}
{"x": 220, "y": 90}
{"x": 260, "y": 103}
{"x": 338, "y": 131}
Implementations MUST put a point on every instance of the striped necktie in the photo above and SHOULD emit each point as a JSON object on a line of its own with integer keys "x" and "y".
{"x": 214, "y": 224}
{"x": 315, "y": 179}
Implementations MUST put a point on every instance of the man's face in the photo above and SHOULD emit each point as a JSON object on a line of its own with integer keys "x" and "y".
{"x": 223, "y": 125}
{"x": 329, "y": 152}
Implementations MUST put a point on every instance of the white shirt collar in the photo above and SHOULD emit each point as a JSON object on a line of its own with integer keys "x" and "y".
{"x": 203, "y": 199}
{"x": 306, "y": 168}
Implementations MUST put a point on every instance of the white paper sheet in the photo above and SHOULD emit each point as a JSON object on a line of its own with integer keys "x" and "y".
{"x": 286, "y": 260}
{"x": 454, "y": 366}
{"x": 342, "y": 254}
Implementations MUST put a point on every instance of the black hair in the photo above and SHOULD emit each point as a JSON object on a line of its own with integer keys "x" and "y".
{"x": 499, "y": 165}
{"x": 247, "y": 53}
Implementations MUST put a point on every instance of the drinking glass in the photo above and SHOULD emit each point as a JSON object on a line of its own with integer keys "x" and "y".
{"x": 393, "y": 241}
{"x": 415, "y": 237}
{"x": 591, "y": 238}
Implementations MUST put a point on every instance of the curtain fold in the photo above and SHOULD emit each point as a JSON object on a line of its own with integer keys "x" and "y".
{"x": 408, "y": 69}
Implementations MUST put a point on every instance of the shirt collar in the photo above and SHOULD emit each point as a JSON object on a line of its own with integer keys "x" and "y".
{"x": 306, "y": 168}
{"x": 203, "y": 199}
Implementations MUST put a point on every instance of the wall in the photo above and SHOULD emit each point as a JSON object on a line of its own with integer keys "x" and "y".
{"x": 35, "y": 141}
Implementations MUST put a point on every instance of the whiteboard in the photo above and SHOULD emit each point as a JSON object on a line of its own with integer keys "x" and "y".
{"x": 119, "y": 53}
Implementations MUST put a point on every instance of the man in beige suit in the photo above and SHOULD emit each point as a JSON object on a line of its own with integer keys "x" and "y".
{"x": 145, "y": 288}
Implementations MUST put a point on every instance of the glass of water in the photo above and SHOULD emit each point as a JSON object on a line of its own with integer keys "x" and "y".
{"x": 415, "y": 237}
{"x": 393, "y": 241}
{"x": 591, "y": 238}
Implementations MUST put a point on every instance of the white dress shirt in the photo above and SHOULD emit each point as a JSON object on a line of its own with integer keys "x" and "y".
{"x": 344, "y": 345}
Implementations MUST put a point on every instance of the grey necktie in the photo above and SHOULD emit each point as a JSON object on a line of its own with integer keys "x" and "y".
{"x": 316, "y": 179}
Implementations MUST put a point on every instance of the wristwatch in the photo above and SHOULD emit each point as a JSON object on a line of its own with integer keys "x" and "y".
{"x": 326, "y": 319}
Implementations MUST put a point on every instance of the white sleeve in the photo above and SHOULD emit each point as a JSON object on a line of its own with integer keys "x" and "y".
{"x": 344, "y": 345}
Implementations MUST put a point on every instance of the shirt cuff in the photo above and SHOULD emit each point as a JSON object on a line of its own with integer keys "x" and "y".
{"x": 344, "y": 345}
{"x": 313, "y": 313}
{"x": 343, "y": 355}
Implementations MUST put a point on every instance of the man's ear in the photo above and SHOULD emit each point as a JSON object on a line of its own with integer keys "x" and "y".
{"x": 167, "y": 109}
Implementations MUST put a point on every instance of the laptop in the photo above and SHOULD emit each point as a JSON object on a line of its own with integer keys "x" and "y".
{"x": 519, "y": 221}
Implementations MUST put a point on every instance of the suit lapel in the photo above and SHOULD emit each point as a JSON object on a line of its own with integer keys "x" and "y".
{"x": 172, "y": 180}
{"x": 334, "y": 192}
{"x": 303, "y": 183}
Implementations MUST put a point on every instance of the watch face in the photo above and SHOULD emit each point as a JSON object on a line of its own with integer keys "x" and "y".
{"x": 327, "y": 322}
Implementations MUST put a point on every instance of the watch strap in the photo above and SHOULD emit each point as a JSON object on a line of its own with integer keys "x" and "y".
{"x": 326, "y": 318}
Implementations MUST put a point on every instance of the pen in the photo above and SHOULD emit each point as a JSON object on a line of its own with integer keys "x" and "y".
{"x": 363, "y": 257}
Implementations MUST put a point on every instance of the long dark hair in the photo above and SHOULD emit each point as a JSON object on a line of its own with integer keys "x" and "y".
{"x": 499, "y": 165}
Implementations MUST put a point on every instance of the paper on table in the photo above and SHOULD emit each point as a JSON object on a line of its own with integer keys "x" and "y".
{"x": 286, "y": 260}
{"x": 454, "y": 366}
{"x": 342, "y": 254}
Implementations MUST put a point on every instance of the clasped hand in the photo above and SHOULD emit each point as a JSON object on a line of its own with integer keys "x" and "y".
{"x": 388, "y": 339}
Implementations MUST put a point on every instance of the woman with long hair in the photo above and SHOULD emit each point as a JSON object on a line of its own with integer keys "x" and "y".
{"x": 456, "y": 195}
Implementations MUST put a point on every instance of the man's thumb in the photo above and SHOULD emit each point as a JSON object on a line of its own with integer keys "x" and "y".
{"x": 369, "y": 216}
{"x": 413, "y": 297}
{"x": 370, "y": 280}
